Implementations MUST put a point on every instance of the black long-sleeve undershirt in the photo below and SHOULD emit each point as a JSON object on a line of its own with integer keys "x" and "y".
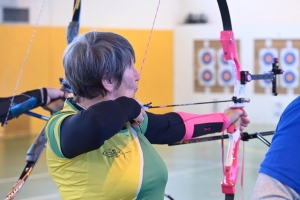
{"x": 39, "y": 94}
{"x": 88, "y": 129}
{"x": 165, "y": 128}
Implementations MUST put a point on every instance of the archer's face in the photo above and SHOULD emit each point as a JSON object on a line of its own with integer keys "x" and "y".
{"x": 129, "y": 85}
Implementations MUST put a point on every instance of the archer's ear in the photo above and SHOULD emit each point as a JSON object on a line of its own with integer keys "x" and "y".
{"x": 108, "y": 84}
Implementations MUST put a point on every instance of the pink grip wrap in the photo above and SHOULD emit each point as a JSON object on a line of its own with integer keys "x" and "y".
{"x": 191, "y": 119}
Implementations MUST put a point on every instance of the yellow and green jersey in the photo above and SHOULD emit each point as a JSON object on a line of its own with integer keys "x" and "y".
{"x": 126, "y": 166}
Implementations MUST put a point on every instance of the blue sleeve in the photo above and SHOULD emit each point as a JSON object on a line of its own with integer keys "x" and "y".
{"x": 282, "y": 160}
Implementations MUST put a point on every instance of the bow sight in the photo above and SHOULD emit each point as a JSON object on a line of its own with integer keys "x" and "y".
{"x": 271, "y": 76}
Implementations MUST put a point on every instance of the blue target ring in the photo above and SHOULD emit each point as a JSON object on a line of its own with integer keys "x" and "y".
{"x": 206, "y": 58}
{"x": 226, "y": 76}
{"x": 223, "y": 60}
{"x": 289, "y": 77}
{"x": 268, "y": 58}
{"x": 206, "y": 75}
{"x": 289, "y": 58}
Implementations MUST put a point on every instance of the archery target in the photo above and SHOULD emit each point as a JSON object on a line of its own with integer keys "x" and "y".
{"x": 289, "y": 79}
{"x": 289, "y": 63}
{"x": 289, "y": 58}
{"x": 225, "y": 76}
{"x": 266, "y": 56}
{"x": 207, "y": 77}
{"x": 288, "y": 52}
{"x": 206, "y": 57}
{"x": 208, "y": 61}
{"x": 221, "y": 59}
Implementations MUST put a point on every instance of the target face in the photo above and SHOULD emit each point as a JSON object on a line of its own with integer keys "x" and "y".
{"x": 289, "y": 77}
{"x": 226, "y": 76}
{"x": 206, "y": 58}
{"x": 206, "y": 76}
{"x": 223, "y": 60}
{"x": 289, "y": 58}
{"x": 268, "y": 58}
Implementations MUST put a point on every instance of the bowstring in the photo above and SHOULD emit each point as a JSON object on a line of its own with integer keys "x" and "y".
{"x": 22, "y": 68}
{"x": 149, "y": 39}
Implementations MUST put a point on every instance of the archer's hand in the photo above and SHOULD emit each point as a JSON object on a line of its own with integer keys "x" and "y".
{"x": 236, "y": 114}
{"x": 55, "y": 99}
{"x": 139, "y": 119}
{"x": 54, "y": 94}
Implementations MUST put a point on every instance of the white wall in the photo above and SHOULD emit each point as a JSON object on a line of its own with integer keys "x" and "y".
{"x": 135, "y": 14}
{"x": 246, "y": 11}
{"x": 139, "y": 14}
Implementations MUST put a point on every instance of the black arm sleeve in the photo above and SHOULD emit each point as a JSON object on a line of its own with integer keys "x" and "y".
{"x": 39, "y": 94}
{"x": 88, "y": 129}
{"x": 165, "y": 129}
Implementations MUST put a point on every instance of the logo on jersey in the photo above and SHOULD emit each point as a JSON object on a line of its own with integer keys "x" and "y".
{"x": 114, "y": 153}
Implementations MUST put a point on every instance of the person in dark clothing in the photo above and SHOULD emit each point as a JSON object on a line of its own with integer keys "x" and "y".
{"x": 45, "y": 97}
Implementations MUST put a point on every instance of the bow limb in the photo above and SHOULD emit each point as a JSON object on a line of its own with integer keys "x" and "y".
{"x": 231, "y": 164}
{"x": 72, "y": 32}
{"x": 73, "y": 27}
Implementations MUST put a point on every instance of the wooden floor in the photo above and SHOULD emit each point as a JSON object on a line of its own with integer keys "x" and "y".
{"x": 195, "y": 170}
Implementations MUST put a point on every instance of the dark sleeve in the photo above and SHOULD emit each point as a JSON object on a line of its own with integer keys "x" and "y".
{"x": 164, "y": 129}
{"x": 39, "y": 94}
{"x": 88, "y": 129}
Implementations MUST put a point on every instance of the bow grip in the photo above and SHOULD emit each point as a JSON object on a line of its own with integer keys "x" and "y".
{"x": 231, "y": 129}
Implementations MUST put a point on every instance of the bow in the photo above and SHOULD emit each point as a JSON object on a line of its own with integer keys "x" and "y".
{"x": 240, "y": 79}
{"x": 73, "y": 27}
{"x": 234, "y": 135}
{"x": 38, "y": 145}
{"x": 231, "y": 56}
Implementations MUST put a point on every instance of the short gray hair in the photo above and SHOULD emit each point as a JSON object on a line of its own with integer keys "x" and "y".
{"x": 94, "y": 56}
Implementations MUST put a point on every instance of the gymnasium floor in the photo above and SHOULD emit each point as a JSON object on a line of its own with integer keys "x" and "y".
{"x": 195, "y": 170}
